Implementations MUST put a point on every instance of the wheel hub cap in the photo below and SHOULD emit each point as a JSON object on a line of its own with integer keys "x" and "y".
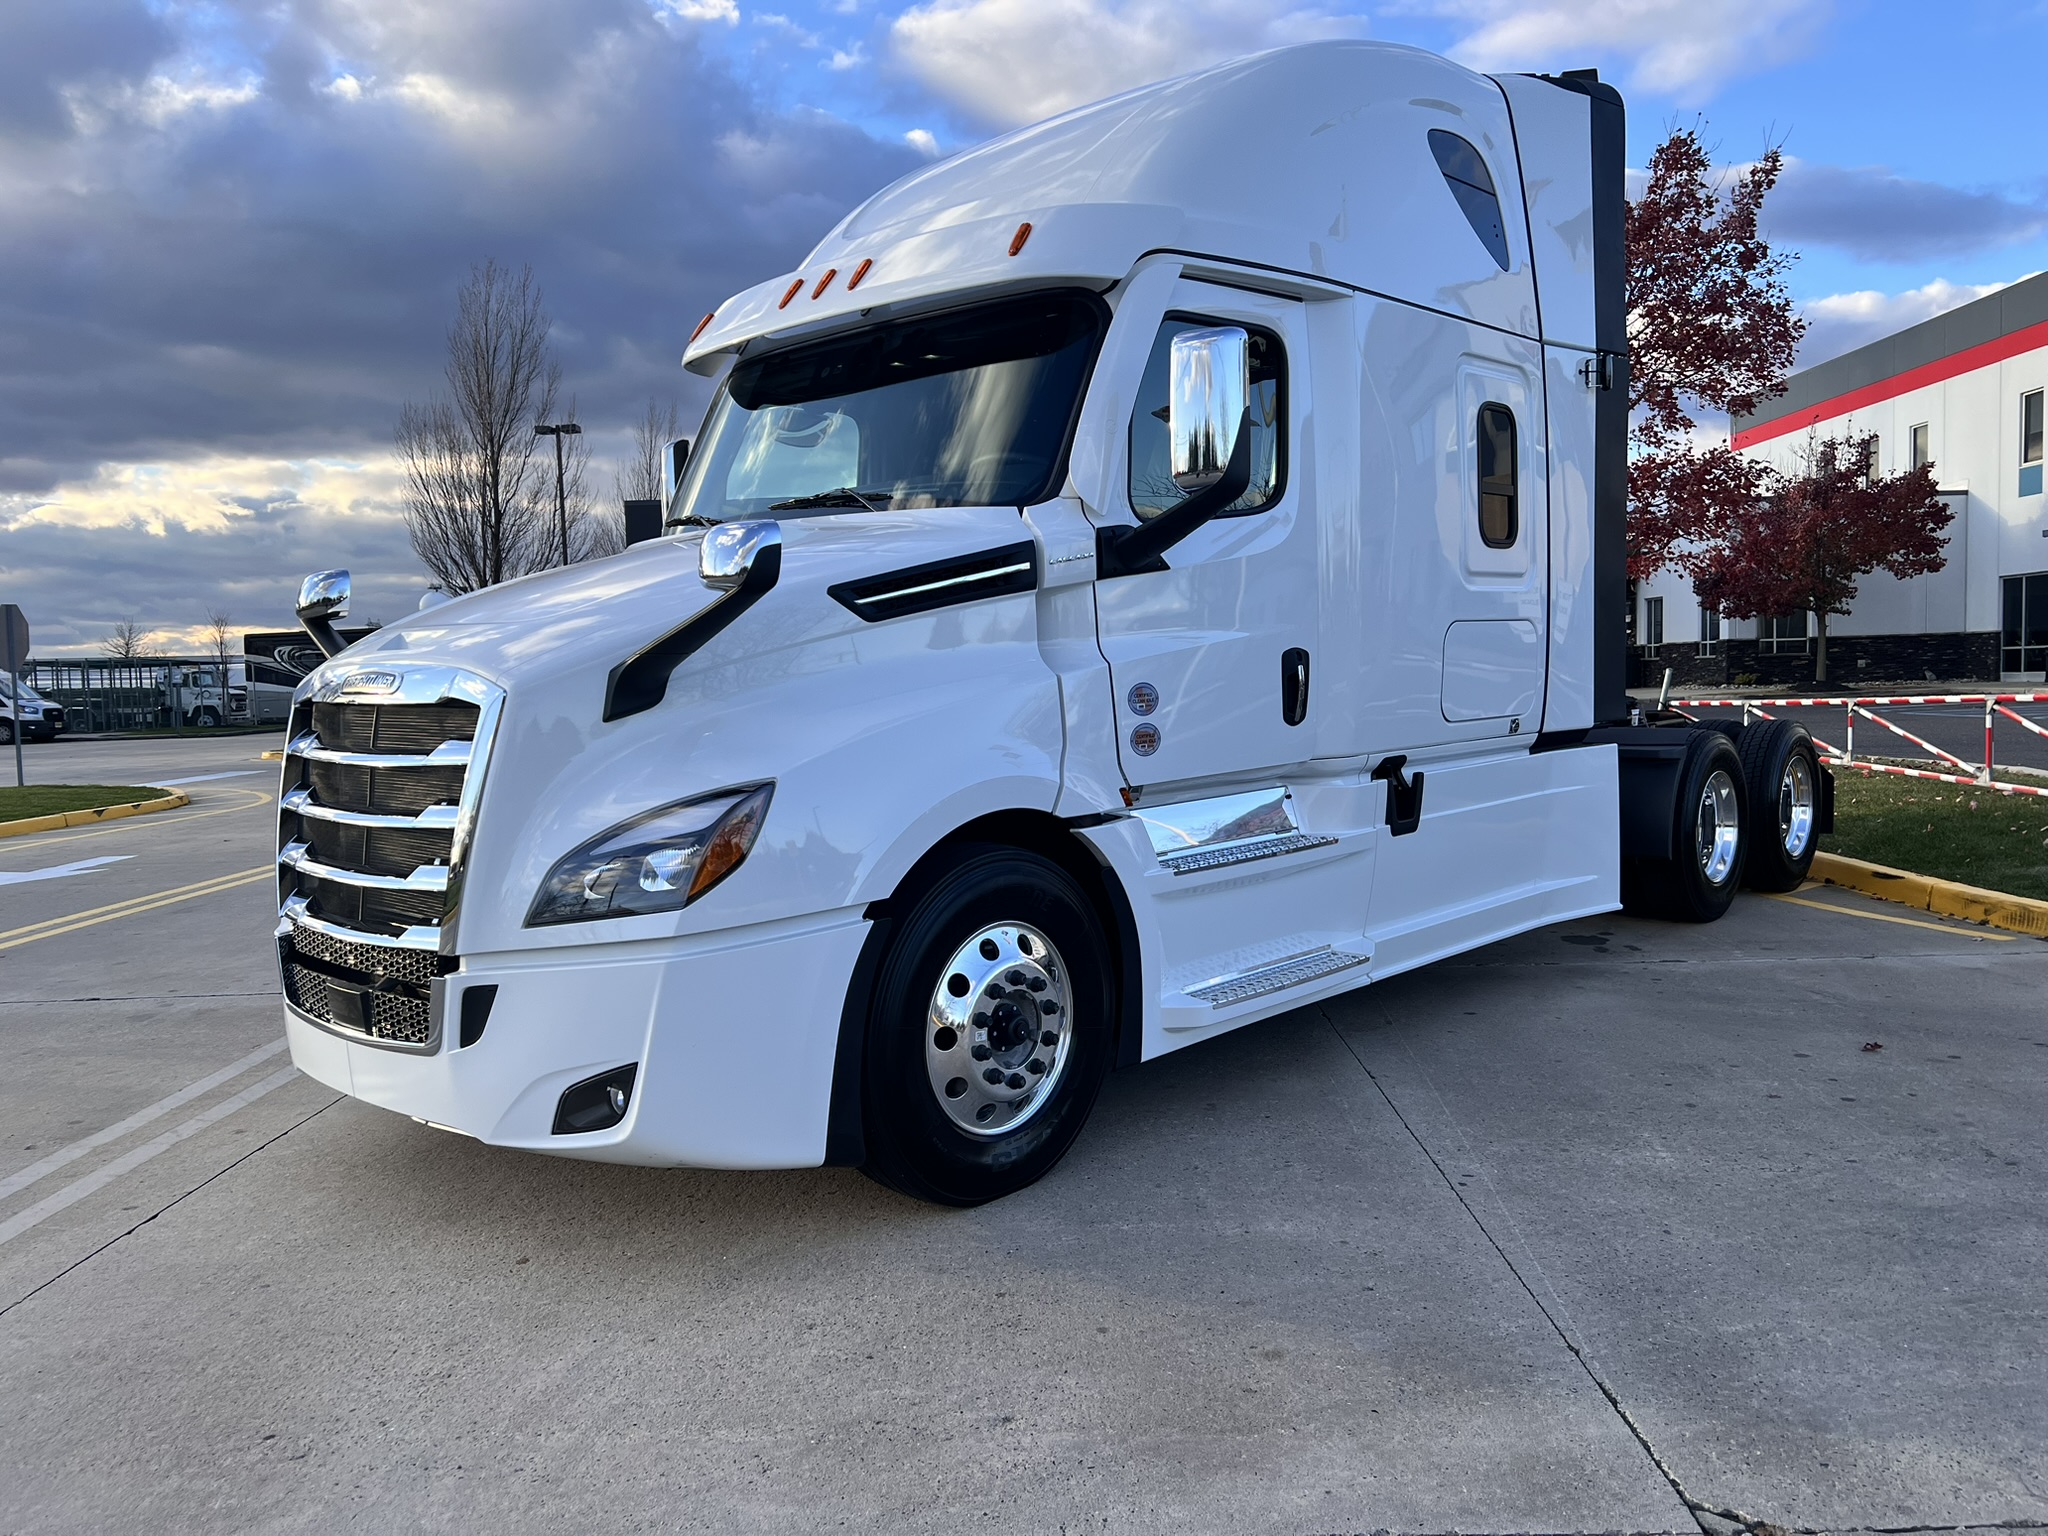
{"x": 1718, "y": 829}
{"x": 1000, "y": 1027}
{"x": 1795, "y": 805}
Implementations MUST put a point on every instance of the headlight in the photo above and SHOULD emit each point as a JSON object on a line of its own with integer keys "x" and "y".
{"x": 658, "y": 862}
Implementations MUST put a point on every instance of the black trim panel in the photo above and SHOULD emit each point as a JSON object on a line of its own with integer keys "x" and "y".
{"x": 941, "y": 583}
{"x": 641, "y": 681}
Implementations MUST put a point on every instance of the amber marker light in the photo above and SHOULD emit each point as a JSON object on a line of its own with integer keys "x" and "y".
{"x": 859, "y": 272}
{"x": 1017, "y": 240}
{"x": 825, "y": 281}
{"x": 794, "y": 289}
{"x": 701, "y": 324}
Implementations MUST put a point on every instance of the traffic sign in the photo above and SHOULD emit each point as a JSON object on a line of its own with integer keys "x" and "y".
{"x": 14, "y": 648}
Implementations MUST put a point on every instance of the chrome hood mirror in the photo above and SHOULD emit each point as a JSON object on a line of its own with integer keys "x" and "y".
{"x": 1210, "y": 386}
{"x": 323, "y": 598}
{"x": 731, "y": 550}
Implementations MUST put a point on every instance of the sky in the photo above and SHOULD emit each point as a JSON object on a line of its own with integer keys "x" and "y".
{"x": 231, "y": 231}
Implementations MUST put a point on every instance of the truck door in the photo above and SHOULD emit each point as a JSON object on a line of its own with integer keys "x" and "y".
{"x": 1211, "y": 658}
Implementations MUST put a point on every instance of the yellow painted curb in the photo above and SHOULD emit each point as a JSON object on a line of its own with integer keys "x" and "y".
{"x": 274, "y": 755}
{"x": 57, "y": 821}
{"x": 1944, "y": 898}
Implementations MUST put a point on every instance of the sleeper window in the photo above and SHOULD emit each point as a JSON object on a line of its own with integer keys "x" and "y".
{"x": 1152, "y": 487}
{"x": 1499, "y": 517}
{"x": 1471, "y": 184}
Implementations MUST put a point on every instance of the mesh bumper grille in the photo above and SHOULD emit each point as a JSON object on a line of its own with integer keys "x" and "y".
{"x": 395, "y": 1017}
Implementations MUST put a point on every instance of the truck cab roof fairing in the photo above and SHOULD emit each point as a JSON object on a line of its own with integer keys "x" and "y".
{"x": 1311, "y": 159}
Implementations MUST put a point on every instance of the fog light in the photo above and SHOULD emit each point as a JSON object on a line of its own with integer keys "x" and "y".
{"x": 595, "y": 1104}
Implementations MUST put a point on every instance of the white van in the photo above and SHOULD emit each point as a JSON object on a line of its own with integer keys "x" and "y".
{"x": 1149, "y": 572}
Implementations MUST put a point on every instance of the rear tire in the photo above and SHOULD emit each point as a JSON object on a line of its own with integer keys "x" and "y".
{"x": 1710, "y": 817}
{"x": 962, "y": 992}
{"x": 1782, "y": 773}
{"x": 6, "y": 733}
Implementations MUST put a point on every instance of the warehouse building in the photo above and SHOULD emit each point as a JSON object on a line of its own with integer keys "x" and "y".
{"x": 1964, "y": 392}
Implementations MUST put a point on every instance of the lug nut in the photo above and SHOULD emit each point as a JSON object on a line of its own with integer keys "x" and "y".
{"x": 1048, "y": 1038}
{"x": 1016, "y": 1079}
{"x": 994, "y": 990}
{"x": 980, "y": 1052}
{"x": 1036, "y": 983}
{"x": 981, "y": 1021}
{"x": 1047, "y": 1006}
{"x": 1015, "y": 978}
{"x": 1035, "y": 1067}
{"x": 993, "y": 1075}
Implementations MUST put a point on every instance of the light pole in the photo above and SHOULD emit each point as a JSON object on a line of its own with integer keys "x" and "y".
{"x": 559, "y": 431}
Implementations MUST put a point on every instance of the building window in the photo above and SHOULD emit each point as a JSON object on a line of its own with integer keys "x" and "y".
{"x": 2030, "y": 443}
{"x": 2026, "y": 624}
{"x": 1867, "y": 455}
{"x": 1920, "y": 454}
{"x": 1710, "y": 632}
{"x": 1653, "y": 624}
{"x": 1782, "y": 635}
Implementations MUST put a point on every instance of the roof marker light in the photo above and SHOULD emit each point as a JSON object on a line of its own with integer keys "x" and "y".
{"x": 794, "y": 289}
{"x": 701, "y": 324}
{"x": 825, "y": 281}
{"x": 859, "y": 272}
{"x": 1017, "y": 240}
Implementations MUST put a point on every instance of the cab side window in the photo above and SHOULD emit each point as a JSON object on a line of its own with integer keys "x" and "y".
{"x": 1500, "y": 517}
{"x": 1152, "y": 487}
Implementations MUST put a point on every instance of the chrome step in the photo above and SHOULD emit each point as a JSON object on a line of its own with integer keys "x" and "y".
{"x": 1277, "y": 977}
{"x": 1198, "y": 859}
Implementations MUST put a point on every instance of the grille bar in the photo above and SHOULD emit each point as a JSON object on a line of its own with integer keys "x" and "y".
{"x": 449, "y": 754}
{"x": 428, "y": 878}
{"x": 441, "y": 817}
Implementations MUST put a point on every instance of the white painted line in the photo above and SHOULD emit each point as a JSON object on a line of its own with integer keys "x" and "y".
{"x": 77, "y": 1149}
{"x": 208, "y": 778}
{"x": 100, "y": 1178}
{"x": 61, "y": 871}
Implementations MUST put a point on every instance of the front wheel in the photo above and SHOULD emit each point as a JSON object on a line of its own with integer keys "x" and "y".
{"x": 989, "y": 1030}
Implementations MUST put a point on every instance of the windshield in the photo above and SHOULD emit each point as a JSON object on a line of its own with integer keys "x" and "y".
{"x": 972, "y": 407}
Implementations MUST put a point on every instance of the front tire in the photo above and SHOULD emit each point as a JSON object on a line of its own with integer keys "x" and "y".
{"x": 989, "y": 1030}
{"x": 1782, "y": 773}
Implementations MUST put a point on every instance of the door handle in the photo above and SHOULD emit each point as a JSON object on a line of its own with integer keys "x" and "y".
{"x": 1294, "y": 685}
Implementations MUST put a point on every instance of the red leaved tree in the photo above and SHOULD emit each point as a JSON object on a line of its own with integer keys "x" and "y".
{"x": 1710, "y": 326}
{"x": 1800, "y": 546}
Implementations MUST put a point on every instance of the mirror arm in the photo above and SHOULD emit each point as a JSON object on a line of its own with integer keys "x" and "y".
{"x": 324, "y": 635}
{"x": 1126, "y": 551}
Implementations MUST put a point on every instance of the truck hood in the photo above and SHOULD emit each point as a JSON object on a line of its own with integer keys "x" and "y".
{"x": 599, "y": 612}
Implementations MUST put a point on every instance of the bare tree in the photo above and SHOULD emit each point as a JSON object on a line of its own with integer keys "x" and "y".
{"x": 477, "y": 506}
{"x": 640, "y": 478}
{"x": 220, "y": 643}
{"x": 128, "y": 642}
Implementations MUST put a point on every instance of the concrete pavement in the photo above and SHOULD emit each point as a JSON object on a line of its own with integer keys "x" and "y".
{"x": 1553, "y": 1237}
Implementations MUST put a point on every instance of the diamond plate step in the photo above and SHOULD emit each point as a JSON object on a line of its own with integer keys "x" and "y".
{"x": 1291, "y": 972}
{"x": 1196, "y": 860}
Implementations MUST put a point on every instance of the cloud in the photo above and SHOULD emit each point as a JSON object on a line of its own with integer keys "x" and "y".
{"x": 1010, "y": 62}
{"x": 1686, "y": 49}
{"x": 1878, "y": 216}
{"x": 924, "y": 142}
{"x": 239, "y": 239}
{"x": 1841, "y": 322}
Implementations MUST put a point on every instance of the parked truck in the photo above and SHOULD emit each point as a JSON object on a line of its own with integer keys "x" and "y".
{"x": 1149, "y": 572}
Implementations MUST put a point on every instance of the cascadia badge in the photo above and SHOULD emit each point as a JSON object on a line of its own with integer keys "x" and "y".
{"x": 370, "y": 682}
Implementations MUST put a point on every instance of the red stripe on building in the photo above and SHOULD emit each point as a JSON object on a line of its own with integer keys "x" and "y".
{"x": 1983, "y": 355}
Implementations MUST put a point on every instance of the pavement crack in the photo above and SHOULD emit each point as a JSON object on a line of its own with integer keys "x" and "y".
{"x": 1697, "y": 1505}
{"x": 87, "y": 1258}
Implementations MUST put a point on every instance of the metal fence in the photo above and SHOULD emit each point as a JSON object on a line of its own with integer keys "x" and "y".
{"x": 113, "y": 695}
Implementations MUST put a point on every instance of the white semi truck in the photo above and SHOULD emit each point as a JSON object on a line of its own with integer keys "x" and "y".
{"x": 1144, "y": 574}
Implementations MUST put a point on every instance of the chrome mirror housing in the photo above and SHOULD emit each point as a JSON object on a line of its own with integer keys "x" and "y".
{"x": 730, "y": 550}
{"x": 1210, "y": 386}
{"x": 323, "y": 598}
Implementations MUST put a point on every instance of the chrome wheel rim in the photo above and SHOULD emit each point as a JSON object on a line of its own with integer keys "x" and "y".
{"x": 1718, "y": 828}
{"x": 999, "y": 1030}
{"x": 1795, "y": 805}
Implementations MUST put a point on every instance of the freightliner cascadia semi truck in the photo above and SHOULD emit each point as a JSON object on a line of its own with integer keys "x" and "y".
{"x": 1149, "y": 572}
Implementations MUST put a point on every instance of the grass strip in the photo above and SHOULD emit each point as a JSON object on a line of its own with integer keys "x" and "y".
{"x": 1951, "y": 831}
{"x": 54, "y": 799}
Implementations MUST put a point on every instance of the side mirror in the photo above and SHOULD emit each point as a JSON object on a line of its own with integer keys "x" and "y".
{"x": 675, "y": 458}
{"x": 731, "y": 550}
{"x": 1208, "y": 390}
{"x": 1209, "y": 431}
{"x": 323, "y": 598}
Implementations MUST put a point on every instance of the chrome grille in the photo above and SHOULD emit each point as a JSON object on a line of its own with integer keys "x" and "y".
{"x": 372, "y": 827}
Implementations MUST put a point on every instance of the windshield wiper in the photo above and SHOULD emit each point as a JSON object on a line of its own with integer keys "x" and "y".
{"x": 845, "y": 496}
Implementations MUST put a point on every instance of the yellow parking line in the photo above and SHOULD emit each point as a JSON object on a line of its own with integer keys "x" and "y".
{"x": 1886, "y": 917}
{"x": 49, "y": 928}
